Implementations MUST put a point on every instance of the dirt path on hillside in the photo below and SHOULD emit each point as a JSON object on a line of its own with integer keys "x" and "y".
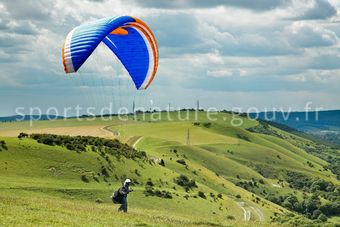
{"x": 136, "y": 142}
{"x": 276, "y": 185}
{"x": 249, "y": 210}
{"x": 107, "y": 129}
{"x": 258, "y": 212}
{"x": 246, "y": 213}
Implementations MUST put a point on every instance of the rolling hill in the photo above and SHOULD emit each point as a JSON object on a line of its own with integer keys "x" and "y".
{"x": 250, "y": 175}
{"x": 322, "y": 124}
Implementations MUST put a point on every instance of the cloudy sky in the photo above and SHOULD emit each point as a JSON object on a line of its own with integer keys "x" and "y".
{"x": 226, "y": 53}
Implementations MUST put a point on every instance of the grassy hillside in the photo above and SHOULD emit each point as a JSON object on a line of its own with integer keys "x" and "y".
{"x": 30, "y": 170}
{"x": 322, "y": 124}
{"x": 242, "y": 177}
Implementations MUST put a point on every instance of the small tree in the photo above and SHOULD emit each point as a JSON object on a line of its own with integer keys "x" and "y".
{"x": 22, "y": 135}
{"x": 3, "y": 144}
{"x": 85, "y": 178}
{"x": 202, "y": 195}
{"x": 181, "y": 161}
{"x": 162, "y": 163}
{"x": 185, "y": 182}
{"x": 149, "y": 183}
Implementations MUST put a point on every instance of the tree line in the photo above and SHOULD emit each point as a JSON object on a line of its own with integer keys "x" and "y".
{"x": 88, "y": 143}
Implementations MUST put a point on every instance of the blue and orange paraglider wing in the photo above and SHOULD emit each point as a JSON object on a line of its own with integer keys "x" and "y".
{"x": 128, "y": 38}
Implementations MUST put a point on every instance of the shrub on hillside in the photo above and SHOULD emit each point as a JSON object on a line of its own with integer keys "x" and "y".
{"x": 264, "y": 128}
{"x": 69, "y": 146}
{"x": 96, "y": 178}
{"x": 3, "y": 145}
{"x": 83, "y": 143}
{"x": 162, "y": 163}
{"x": 185, "y": 182}
{"x": 202, "y": 195}
{"x": 309, "y": 184}
{"x": 105, "y": 172}
{"x": 22, "y": 135}
{"x": 85, "y": 178}
{"x": 310, "y": 164}
{"x": 149, "y": 183}
{"x": 181, "y": 161}
{"x": 137, "y": 173}
{"x": 266, "y": 171}
{"x": 310, "y": 206}
{"x": 150, "y": 191}
{"x": 335, "y": 167}
{"x": 207, "y": 124}
{"x": 331, "y": 208}
{"x": 230, "y": 217}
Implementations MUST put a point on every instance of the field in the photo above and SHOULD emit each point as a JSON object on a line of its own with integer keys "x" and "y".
{"x": 234, "y": 168}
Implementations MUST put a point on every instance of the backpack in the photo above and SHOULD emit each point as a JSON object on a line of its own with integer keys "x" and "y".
{"x": 117, "y": 197}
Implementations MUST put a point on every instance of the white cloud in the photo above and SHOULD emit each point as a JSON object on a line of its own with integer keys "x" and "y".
{"x": 220, "y": 73}
{"x": 204, "y": 49}
{"x": 316, "y": 9}
{"x": 226, "y": 72}
{"x": 308, "y": 34}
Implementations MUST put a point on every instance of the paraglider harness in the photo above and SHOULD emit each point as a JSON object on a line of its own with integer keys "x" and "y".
{"x": 117, "y": 197}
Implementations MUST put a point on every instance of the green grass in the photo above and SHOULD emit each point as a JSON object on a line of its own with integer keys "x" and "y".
{"x": 43, "y": 183}
{"x": 37, "y": 169}
{"x": 174, "y": 131}
{"x": 41, "y": 209}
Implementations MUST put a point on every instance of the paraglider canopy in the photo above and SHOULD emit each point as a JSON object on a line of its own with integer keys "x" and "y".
{"x": 130, "y": 39}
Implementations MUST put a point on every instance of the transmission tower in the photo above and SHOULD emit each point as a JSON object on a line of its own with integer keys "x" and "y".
{"x": 133, "y": 107}
{"x": 188, "y": 137}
